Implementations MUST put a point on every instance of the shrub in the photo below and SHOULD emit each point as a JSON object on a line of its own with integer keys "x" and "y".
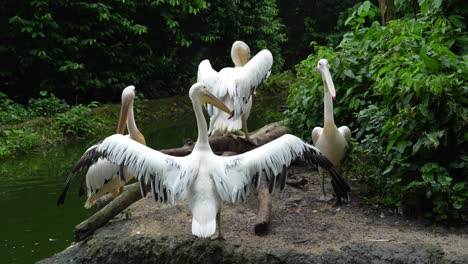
{"x": 403, "y": 89}
{"x": 16, "y": 140}
{"x": 47, "y": 105}
{"x": 77, "y": 122}
{"x": 11, "y": 112}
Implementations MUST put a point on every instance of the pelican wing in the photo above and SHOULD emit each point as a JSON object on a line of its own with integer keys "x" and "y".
{"x": 247, "y": 79}
{"x": 236, "y": 173}
{"x": 238, "y": 83}
{"x": 169, "y": 176}
{"x": 207, "y": 75}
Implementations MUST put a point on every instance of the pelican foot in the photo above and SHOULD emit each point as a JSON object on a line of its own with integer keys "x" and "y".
{"x": 326, "y": 197}
{"x": 218, "y": 237}
{"x": 251, "y": 141}
{"x": 230, "y": 134}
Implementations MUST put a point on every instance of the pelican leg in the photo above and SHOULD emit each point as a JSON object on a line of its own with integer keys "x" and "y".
{"x": 218, "y": 221}
{"x": 323, "y": 195}
{"x": 246, "y": 131}
{"x": 349, "y": 194}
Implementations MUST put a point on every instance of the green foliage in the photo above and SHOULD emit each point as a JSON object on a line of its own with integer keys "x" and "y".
{"x": 11, "y": 112}
{"x": 47, "y": 105}
{"x": 78, "y": 122}
{"x": 364, "y": 11}
{"x": 403, "y": 89}
{"x": 91, "y": 50}
{"x": 277, "y": 84}
{"x": 16, "y": 140}
{"x": 308, "y": 21}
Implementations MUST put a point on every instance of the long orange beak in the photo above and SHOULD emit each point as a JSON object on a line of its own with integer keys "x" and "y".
{"x": 327, "y": 80}
{"x": 123, "y": 118}
{"x": 209, "y": 98}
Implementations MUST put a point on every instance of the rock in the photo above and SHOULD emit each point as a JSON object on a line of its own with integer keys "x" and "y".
{"x": 111, "y": 246}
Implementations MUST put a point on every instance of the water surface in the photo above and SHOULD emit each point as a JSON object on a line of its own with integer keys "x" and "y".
{"x": 32, "y": 227}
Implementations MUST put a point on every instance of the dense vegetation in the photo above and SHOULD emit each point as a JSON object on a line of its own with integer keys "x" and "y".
{"x": 403, "y": 90}
{"x": 85, "y": 49}
{"x": 46, "y": 116}
{"x": 402, "y": 87}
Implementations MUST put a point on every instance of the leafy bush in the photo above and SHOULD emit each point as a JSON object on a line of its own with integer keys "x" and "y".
{"x": 77, "y": 122}
{"x": 11, "y": 112}
{"x": 47, "y": 106}
{"x": 403, "y": 89}
{"x": 93, "y": 49}
{"x": 16, "y": 140}
{"x": 277, "y": 84}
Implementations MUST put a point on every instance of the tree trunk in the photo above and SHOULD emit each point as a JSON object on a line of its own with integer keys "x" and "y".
{"x": 132, "y": 192}
{"x": 387, "y": 11}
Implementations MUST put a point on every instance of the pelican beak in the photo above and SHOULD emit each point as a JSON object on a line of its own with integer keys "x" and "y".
{"x": 327, "y": 79}
{"x": 245, "y": 57}
{"x": 123, "y": 117}
{"x": 209, "y": 98}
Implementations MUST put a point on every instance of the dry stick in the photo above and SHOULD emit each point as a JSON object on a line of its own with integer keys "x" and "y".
{"x": 297, "y": 183}
{"x": 262, "y": 221}
{"x": 132, "y": 192}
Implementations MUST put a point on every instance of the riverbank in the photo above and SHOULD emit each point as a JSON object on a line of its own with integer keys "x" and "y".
{"x": 42, "y": 133}
{"x": 303, "y": 230}
{"x": 89, "y": 123}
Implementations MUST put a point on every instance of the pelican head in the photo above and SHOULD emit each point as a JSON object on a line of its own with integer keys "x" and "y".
{"x": 199, "y": 92}
{"x": 240, "y": 53}
{"x": 324, "y": 69}
{"x": 128, "y": 95}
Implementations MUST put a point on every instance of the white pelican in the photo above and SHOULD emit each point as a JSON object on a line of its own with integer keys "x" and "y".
{"x": 203, "y": 177}
{"x": 330, "y": 140}
{"x": 104, "y": 177}
{"x": 235, "y": 86}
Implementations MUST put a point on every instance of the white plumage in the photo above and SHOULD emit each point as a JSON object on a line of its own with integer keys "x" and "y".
{"x": 103, "y": 176}
{"x": 330, "y": 140}
{"x": 235, "y": 86}
{"x": 203, "y": 177}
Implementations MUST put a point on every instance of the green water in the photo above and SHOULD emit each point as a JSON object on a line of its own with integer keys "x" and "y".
{"x": 32, "y": 227}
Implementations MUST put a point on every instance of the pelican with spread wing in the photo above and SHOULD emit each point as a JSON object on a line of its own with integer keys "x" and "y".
{"x": 105, "y": 177}
{"x": 332, "y": 141}
{"x": 202, "y": 177}
{"x": 235, "y": 86}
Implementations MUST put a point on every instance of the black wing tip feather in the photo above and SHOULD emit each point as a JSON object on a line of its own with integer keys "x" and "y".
{"x": 284, "y": 176}
{"x": 61, "y": 199}
{"x": 122, "y": 173}
{"x": 87, "y": 159}
{"x": 339, "y": 184}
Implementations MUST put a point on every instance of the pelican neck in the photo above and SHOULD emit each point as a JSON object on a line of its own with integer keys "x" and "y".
{"x": 202, "y": 140}
{"x": 327, "y": 106}
{"x": 132, "y": 128}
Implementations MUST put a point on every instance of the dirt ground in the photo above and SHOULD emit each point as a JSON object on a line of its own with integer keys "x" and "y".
{"x": 301, "y": 221}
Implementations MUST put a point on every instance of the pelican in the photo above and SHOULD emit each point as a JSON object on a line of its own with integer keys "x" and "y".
{"x": 202, "y": 177}
{"x": 330, "y": 140}
{"x": 105, "y": 177}
{"x": 235, "y": 87}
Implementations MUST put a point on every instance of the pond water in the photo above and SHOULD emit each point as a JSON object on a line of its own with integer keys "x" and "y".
{"x": 32, "y": 227}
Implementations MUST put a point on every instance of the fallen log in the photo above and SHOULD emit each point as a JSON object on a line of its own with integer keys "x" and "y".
{"x": 101, "y": 217}
{"x": 132, "y": 192}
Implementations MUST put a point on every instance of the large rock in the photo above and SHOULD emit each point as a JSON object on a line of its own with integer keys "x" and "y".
{"x": 303, "y": 230}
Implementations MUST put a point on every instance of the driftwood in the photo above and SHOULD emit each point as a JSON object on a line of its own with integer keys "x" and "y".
{"x": 297, "y": 183}
{"x": 87, "y": 227}
{"x": 262, "y": 221}
{"x": 218, "y": 144}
